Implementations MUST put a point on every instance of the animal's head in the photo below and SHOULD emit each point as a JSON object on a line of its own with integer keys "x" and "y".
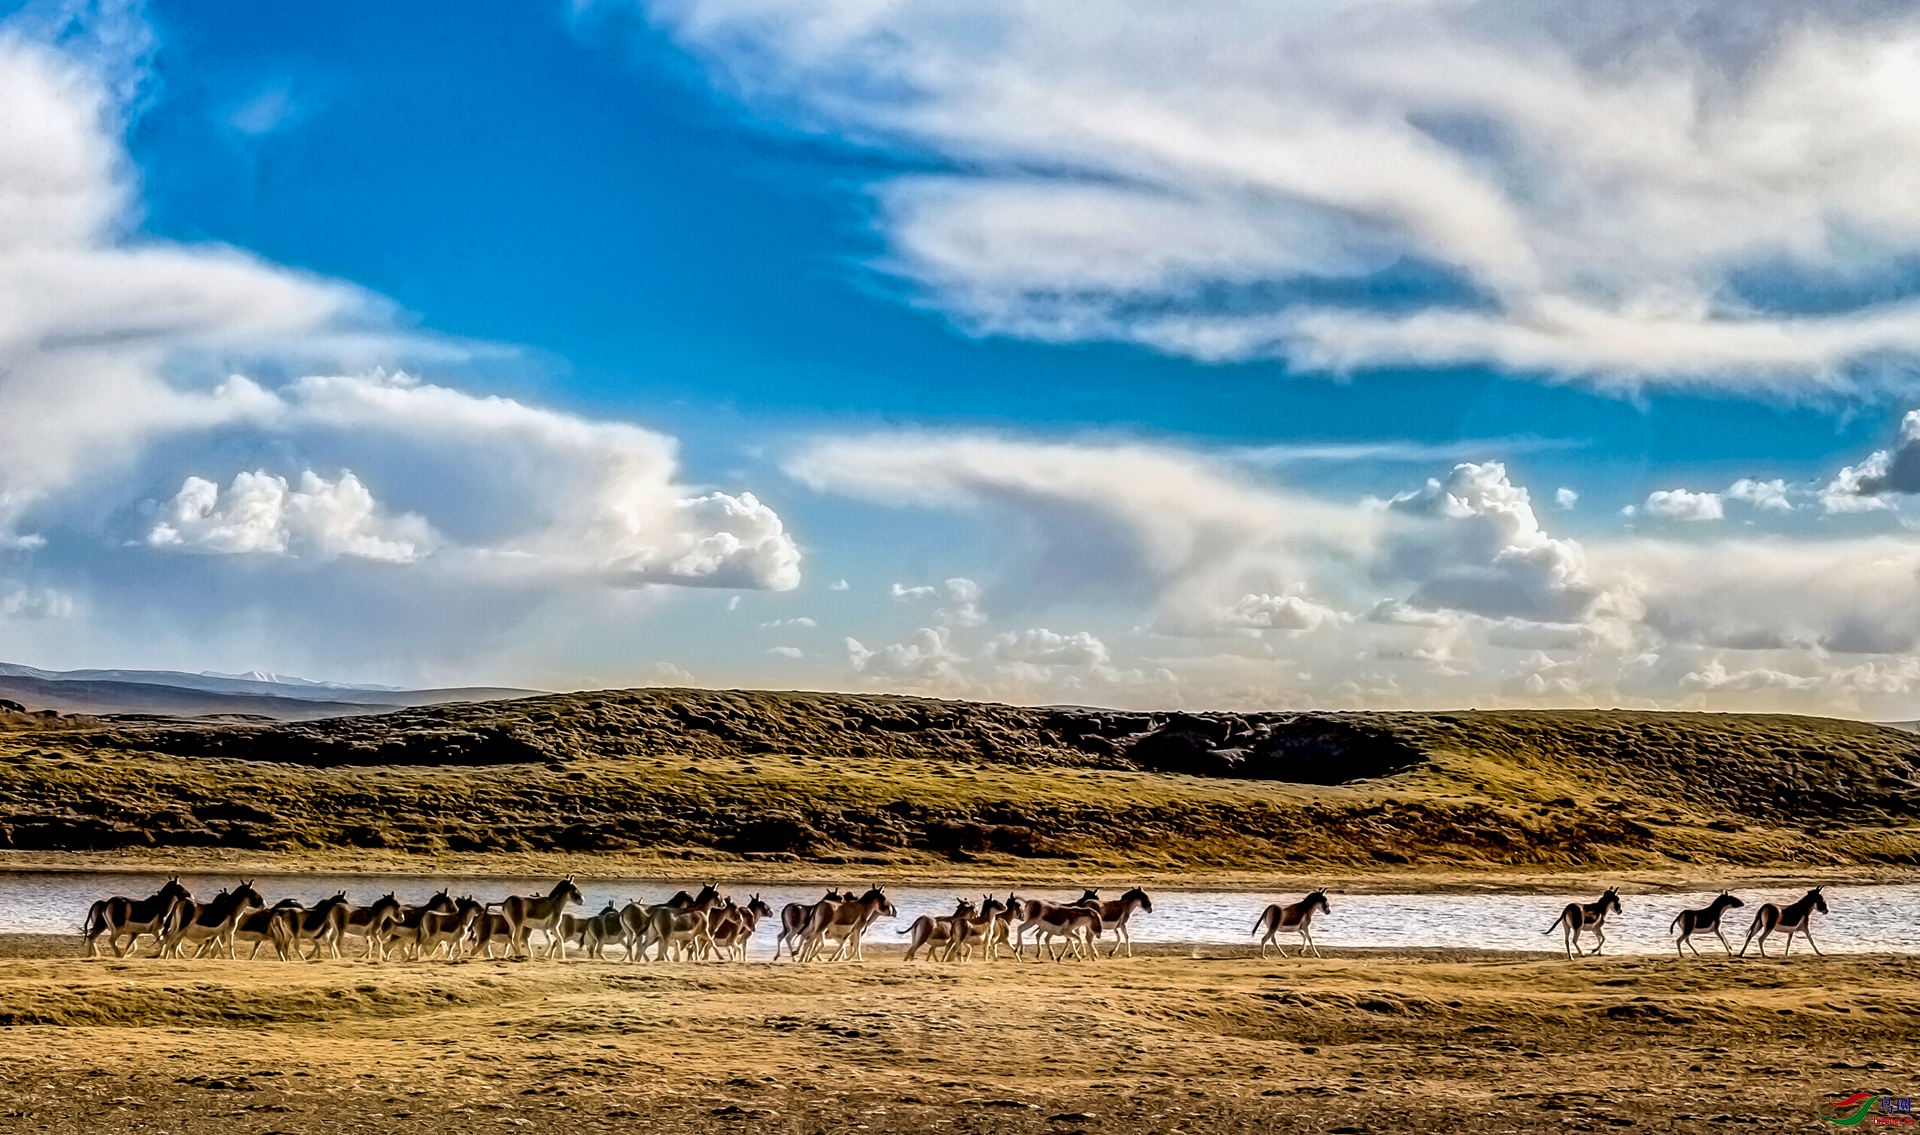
{"x": 568, "y": 894}
{"x": 1087, "y": 897}
{"x": 709, "y": 894}
{"x": 247, "y": 896}
{"x": 1140, "y": 896}
{"x": 758, "y": 907}
{"x": 286, "y": 904}
{"x": 1727, "y": 899}
{"x": 966, "y": 909}
{"x": 833, "y": 896}
{"x": 1318, "y": 899}
{"x": 339, "y": 899}
{"x": 610, "y": 908}
{"x": 387, "y": 904}
{"x": 1819, "y": 900}
{"x": 172, "y": 889}
{"x": 991, "y": 907}
{"x": 1611, "y": 900}
{"x": 467, "y": 905}
{"x": 441, "y": 903}
{"x": 879, "y": 895}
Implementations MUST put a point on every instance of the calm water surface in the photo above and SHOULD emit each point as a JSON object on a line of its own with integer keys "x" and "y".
{"x": 1864, "y": 918}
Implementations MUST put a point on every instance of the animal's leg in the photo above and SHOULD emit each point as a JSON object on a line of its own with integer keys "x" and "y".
{"x": 1599, "y": 939}
{"x": 1807, "y": 931}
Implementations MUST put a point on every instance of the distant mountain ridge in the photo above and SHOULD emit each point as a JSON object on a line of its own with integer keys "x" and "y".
{"x": 193, "y": 695}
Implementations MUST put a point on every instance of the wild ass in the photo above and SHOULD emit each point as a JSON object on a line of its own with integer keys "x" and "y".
{"x": 848, "y": 921}
{"x": 733, "y": 927}
{"x": 1044, "y": 919}
{"x": 1294, "y": 918}
{"x": 323, "y": 924}
{"x": 442, "y": 929}
{"x": 793, "y": 921}
{"x": 1079, "y": 923}
{"x": 133, "y": 917}
{"x": 370, "y": 922}
{"x": 1704, "y": 920}
{"x": 931, "y": 930}
{"x": 208, "y": 925}
{"x": 1115, "y": 913}
{"x": 403, "y": 929}
{"x": 270, "y": 926}
{"x": 592, "y": 933}
{"x": 1580, "y": 916}
{"x": 1795, "y": 918}
{"x": 681, "y": 919}
{"x": 527, "y": 913}
{"x": 963, "y": 933}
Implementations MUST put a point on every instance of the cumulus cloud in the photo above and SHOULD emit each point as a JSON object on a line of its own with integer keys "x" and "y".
{"x": 1871, "y": 485}
{"x": 791, "y": 653}
{"x": 925, "y": 659}
{"x": 1565, "y": 498}
{"x": 1039, "y": 646}
{"x": 1473, "y": 543}
{"x": 104, "y": 342}
{"x": 262, "y": 514}
{"x": 1767, "y": 496}
{"x": 1541, "y": 187}
{"x": 1291, "y": 612}
{"x": 1683, "y": 504}
{"x": 799, "y": 621}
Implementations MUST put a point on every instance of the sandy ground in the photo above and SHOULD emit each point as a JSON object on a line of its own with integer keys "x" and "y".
{"x": 1193, "y": 1040}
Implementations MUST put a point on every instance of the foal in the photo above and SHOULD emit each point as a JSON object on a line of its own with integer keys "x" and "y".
{"x": 1294, "y": 918}
{"x": 1796, "y": 918}
{"x": 1705, "y": 920}
{"x": 1582, "y": 916}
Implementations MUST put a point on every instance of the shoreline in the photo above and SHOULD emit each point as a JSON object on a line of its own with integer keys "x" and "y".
{"x": 1282, "y": 879}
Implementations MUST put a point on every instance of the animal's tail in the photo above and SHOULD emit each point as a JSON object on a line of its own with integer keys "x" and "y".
{"x": 96, "y": 922}
{"x": 1752, "y": 930}
{"x": 1555, "y": 926}
{"x": 1258, "y": 923}
{"x": 1675, "y": 924}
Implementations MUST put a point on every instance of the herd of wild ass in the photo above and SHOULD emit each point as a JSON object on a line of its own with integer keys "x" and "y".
{"x": 711, "y": 926}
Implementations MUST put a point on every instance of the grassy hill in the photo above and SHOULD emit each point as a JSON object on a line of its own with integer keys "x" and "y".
{"x": 831, "y": 778}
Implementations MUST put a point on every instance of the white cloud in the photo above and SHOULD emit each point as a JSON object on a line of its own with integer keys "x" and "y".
{"x": 262, "y": 514}
{"x": 1039, "y": 646}
{"x": 1767, "y": 496}
{"x": 1125, "y": 518}
{"x": 104, "y": 342}
{"x": 21, "y": 602}
{"x": 1871, "y": 485}
{"x": 1264, "y": 612}
{"x": 1585, "y": 193}
{"x": 925, "y": 659}
{"x": 1565, "y": 498}
{"x": 1683, "y": 504}
{"x": 798, "y": 621}
{"x": 901, "y": 592}
{"x": 791, "y": 653}
{"x": 839, "y": 585}
{"x": 1473, "y": 543}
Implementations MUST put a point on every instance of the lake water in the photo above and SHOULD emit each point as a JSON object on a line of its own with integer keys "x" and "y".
{"x": 1863, "y": 918}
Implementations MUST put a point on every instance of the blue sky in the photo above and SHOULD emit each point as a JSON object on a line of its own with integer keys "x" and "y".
{"x": 1236, "y": 359}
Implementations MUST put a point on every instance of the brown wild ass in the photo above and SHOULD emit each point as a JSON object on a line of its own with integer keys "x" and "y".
{"x": 370, "y": 922}
{"x": 1294, "y": 918}
{"x": 1581, "y": 916}
{"x": 133, "y": 917}
{"x": 733, "y": 927}
{"x": 846, "y": 920}
{"x": 793, "y": 920}
{"x": 1114, "y": 914}
{"x": 323, "y": 924}
{"x": 1704, "y": 920}
{"x": 1795, "y": 918}
{"x": 208, "y": 925}
{"x": 1079, "y": 923}
{"x": 527, "y": 913}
